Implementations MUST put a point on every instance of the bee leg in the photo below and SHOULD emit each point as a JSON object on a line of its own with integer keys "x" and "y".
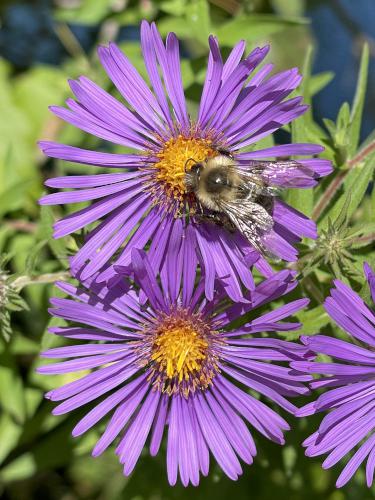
{"x": 228, "y": 225}
{"x": 217, "y": 219}
{"x": 225, "y": 152}
{"x": 211, "y": 218}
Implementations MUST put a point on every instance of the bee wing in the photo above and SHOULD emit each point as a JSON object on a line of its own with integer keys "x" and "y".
{"x": 282, "y": 174}
{"x": 251, "y": 219}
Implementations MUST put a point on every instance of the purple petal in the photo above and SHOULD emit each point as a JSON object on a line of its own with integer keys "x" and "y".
{"x": 103, "y": 408}
{"x": 353, "y": 464}
{"x": 282, "y": 150}
{"x": 169, "y": 60}
{"x": 120, "y": 418}
{"x": 216, "y": 439}
{"x": 78, "y": 155}
{"x": 130, "y": 84}
{"x": 132, "y": 443}
{"x": 213, "y": 80}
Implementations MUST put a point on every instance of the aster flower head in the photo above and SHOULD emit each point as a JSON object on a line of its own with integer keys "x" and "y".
{"x": 142, "y": 202}
{"x": 171, "y": 364}
{"x": 350, "y": 400}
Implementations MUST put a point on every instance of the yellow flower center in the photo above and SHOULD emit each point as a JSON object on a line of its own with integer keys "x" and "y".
{"x": 181, "y": 353}
{"x": 172, "y": 164}
{"x": 179, "y": 349}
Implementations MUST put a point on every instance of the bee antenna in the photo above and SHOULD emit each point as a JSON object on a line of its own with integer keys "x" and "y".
{"x": 187, "y": 161}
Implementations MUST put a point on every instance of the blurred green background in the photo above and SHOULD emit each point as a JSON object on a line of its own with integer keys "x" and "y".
{"x": 42, "y": 43}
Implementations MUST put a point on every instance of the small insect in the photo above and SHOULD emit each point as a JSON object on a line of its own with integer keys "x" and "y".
{"x": 240, "y": 195}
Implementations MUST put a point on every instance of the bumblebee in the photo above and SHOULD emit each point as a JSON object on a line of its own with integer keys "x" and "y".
{"x": 241, "y": 196}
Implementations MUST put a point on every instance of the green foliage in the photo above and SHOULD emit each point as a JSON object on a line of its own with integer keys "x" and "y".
{"x": 38, "y": 457}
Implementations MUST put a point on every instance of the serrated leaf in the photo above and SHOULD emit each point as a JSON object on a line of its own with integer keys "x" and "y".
{"x": 358, "y": 102}
{"x": 45, "y": 232}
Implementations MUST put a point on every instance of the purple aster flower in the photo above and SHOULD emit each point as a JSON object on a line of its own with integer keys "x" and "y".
{"x": 351, "y": 422}
{"x": 173, "y": 364}
{"x": 143, "y": 201}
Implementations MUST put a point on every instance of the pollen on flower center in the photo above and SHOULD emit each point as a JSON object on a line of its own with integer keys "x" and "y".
{"x": 182, "y": 354}
{"x": 179, "y": 351}
{"x": 170, "y": 169}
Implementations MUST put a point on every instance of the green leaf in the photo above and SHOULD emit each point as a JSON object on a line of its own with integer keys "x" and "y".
{"x": 254, "y": 27}
{"x": 13, "y": 197}
{"x": 343, "y": 216}
{"x": 289, "y": 458}
{"x": 289, "y": 8}
{"x": 330, "y": 125}
{"x": 312, "y": 320}
{"x": 87, "y": 12}
{"x": 45, "y": 232}
{"x": 358, "y": 103}
{"x": 193, "y": 23}
{"x": 198, "y": 18}
{"x": 12, "y": 399}
{"x": 33, "y": 257}
{"x": 10, "y": 433}
{"x": 173, "y": 7}
{"x": 21, "y": 468}
{"x": 343, "y": 116}
{"x": 355, "y": 183}
{"x": 303, "y": 199}
{"x": 361, "y": 235}
{"x": 343, "y": 119}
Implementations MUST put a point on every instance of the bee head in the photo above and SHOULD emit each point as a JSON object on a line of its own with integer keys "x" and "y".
{"x": 193, "y": 174}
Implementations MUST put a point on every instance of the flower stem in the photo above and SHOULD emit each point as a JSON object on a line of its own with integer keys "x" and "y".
{"x": 21, "y": 225}
{"x": 364, "y": 240}
{"x": 339, "y": 179}
{"x": 23, "y": 281}
{"x": 329, "y": 194}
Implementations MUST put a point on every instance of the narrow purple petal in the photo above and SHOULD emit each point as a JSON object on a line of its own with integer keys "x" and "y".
{"x": 282, "y": 151}
{"x": 78, "y": 155}
{"x": 120, "y": 418}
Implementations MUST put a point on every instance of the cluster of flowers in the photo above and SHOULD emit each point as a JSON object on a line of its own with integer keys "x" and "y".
{"x": 163, "y": 313}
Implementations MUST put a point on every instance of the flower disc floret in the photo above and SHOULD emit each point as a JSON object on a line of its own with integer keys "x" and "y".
{"x": 173, "y": 162}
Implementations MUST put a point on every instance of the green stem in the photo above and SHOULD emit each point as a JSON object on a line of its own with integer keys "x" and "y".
{"x": 23, "y": 281}
{"x": 21, "y": 225}
{"x": 71, "y": 43}
{"x": 364, "y": 240}
{"x": 339, "y": 179}
{"x": 328, "y": 194}
{"x": 313, "y": 289}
